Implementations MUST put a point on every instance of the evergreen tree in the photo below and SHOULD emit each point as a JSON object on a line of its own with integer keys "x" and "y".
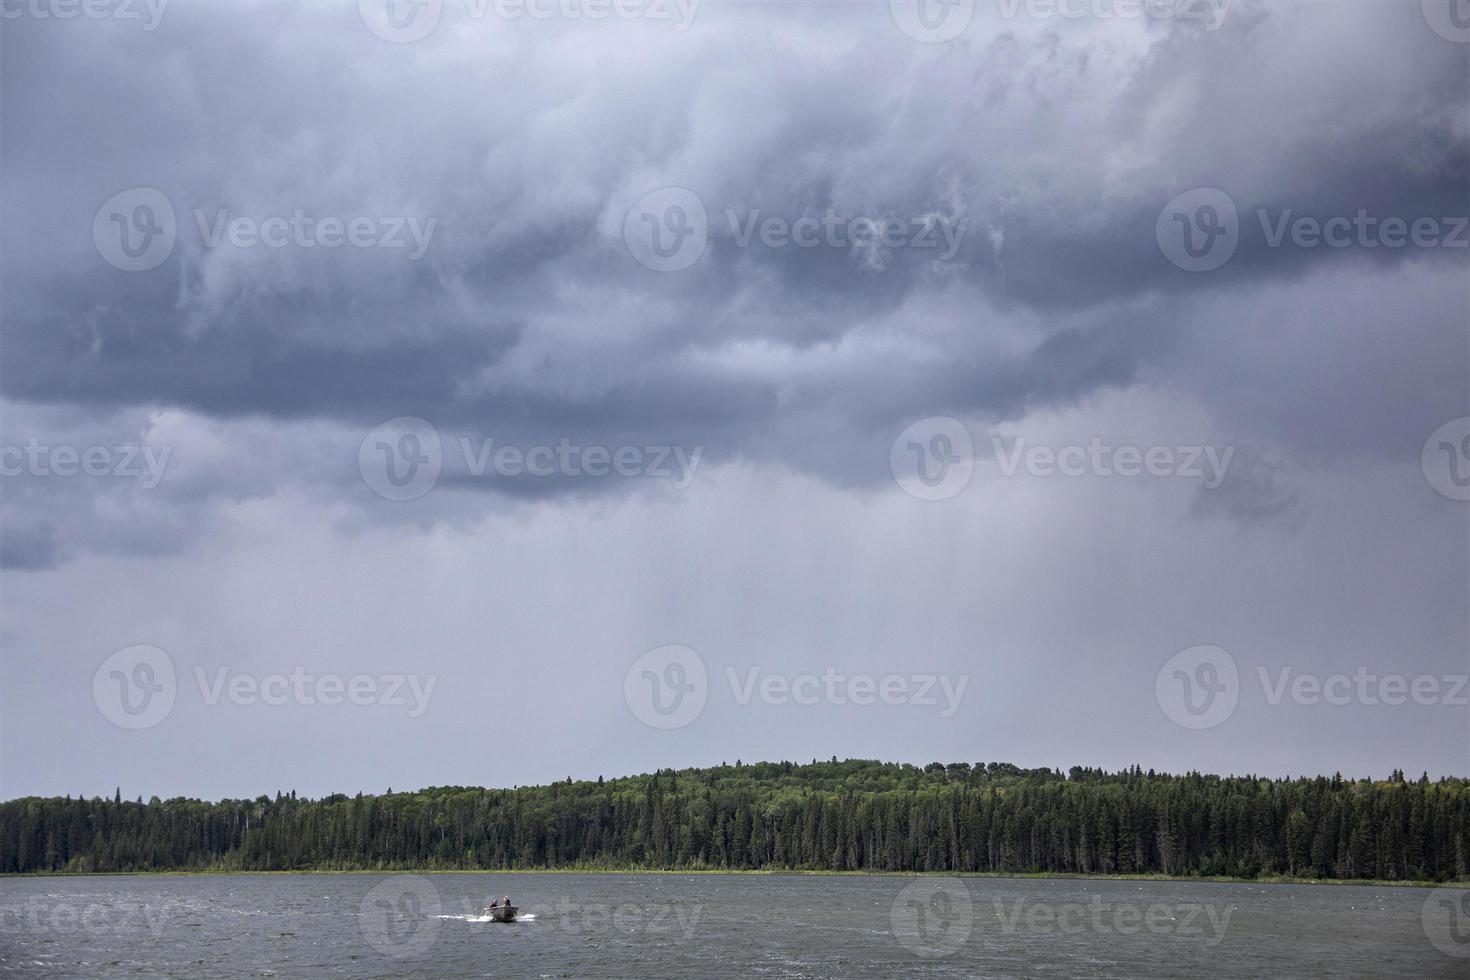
{"x": 849, "y": 815}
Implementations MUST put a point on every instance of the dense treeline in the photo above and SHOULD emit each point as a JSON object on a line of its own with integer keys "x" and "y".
{"x": 853, "y": 815}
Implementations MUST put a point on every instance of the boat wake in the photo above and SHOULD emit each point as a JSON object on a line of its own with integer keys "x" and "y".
{"x": 484, "y": 918}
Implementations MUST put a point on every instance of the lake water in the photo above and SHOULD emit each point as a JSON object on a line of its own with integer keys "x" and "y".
{"x": 721, "y": 926}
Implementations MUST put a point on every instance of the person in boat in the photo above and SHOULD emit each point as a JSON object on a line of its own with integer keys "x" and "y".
{"x": 505, "y": 900}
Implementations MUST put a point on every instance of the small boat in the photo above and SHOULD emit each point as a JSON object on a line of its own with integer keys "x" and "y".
{"x": 504, "y": 913}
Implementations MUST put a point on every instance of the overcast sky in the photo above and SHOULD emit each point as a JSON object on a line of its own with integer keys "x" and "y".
{"x": 404, "y": 395}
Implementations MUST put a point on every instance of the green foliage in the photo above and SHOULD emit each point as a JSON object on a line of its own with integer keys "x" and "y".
{"x": 843, "y": 816}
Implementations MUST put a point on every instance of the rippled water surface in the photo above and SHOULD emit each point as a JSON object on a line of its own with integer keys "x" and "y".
{"x": 717, "y": 926}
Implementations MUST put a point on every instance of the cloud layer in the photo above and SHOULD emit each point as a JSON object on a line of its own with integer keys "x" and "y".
{"x": 513, "y": 153}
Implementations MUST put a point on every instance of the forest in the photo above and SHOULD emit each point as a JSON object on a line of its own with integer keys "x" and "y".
{"x": 854, "y": 815}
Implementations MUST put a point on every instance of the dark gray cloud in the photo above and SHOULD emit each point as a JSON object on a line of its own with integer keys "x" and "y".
{"x": 1058, "y": 152}
{"x": 1257, "y": 491}
{"x": 517, "y": 149}
{"x": 29, "y": 546}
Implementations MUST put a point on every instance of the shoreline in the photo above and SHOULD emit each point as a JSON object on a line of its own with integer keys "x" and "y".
{"x": 1015, "y": 875}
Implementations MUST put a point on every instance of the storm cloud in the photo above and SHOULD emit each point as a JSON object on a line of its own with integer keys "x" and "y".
{"x": 364, "y": 227}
